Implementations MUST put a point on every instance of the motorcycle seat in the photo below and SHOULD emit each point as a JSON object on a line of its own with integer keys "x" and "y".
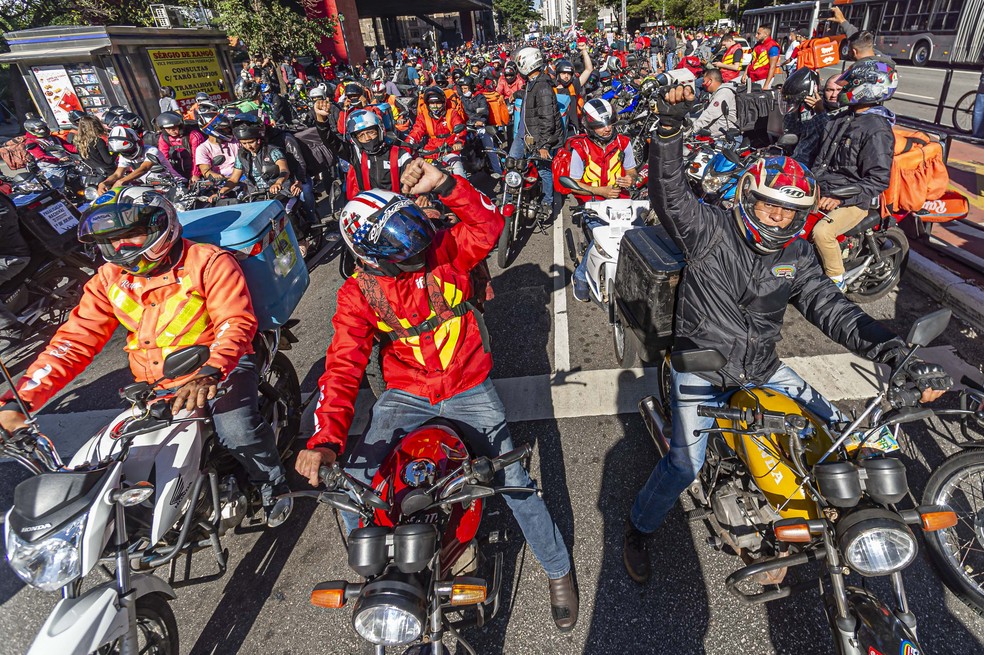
{"x": 872, "y": 219}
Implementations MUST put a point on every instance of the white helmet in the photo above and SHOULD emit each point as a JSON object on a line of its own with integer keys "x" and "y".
{"x": 316, "y": 92}
{"x": 528, "y": 60}
{"x": 387, "y": 232}
{"x": 124, "y": 141}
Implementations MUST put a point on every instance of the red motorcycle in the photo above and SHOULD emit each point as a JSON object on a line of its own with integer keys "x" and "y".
{"x": 417, "y": 545}
{"x": 522, "y": 191}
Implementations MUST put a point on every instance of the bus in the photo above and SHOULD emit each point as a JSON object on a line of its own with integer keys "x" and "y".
{"x": 921, "y": 31}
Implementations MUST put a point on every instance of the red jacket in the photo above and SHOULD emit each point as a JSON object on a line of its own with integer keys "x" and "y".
{"x": 434, "y": 133}
{"x": 359, "y": 170}
{"x": 507, "y": 90}
{"x": 438, "y": 364}
{"x": 33, "y": 145}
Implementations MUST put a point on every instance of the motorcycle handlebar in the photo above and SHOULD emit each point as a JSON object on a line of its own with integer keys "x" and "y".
{"x": 725, "y": 413}
{"x": 511, "y": 457}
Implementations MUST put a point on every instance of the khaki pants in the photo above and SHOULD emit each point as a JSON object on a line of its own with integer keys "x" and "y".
{"x": 837, "y": 222}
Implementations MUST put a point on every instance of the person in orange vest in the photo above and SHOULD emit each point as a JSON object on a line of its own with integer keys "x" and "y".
{"x": 568, "y": 79}
{"x": 765, "y": 60}
{"x": 167, "y": 293}
{"x": 437, "y": 127}
{"x": 729, "y": 62}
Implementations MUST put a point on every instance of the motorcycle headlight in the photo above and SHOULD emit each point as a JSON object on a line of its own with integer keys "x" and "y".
{"x": 713, "y": 183}
{"x": 876, "y": 542}
{"x": 513, "y": 179}
{"x": 51, "y": 563}
{"x": 390, "y": 612}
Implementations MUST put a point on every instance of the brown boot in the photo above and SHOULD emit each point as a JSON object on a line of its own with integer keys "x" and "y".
{"x": 564, "y": 602}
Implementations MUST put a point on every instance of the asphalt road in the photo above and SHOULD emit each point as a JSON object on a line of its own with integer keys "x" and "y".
{"x": 589, "y": 465}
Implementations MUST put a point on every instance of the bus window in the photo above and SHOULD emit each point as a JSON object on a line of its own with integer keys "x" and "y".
{"x": 947, "y": 16}
{"x": 917, "y": 16}
{"x": 894, "y": 17}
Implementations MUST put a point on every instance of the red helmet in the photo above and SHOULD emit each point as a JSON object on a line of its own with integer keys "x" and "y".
{"x": 779, "y": 182}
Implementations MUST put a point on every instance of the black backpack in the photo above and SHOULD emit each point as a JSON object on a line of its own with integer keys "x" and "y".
{"x": 759, "y": 117}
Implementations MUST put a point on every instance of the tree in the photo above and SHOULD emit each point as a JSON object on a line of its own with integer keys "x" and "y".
{"x": 269, "y": 27}
{"x": 515, "y": 14}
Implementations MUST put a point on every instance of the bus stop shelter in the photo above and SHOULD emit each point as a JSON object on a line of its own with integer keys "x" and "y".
{"x": 94, "y": 68}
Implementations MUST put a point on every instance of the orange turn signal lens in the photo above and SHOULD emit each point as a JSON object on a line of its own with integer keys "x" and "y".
{"x": 331, "y": 598}
{"x": 794, "y": 533}
{"x": 468, "y": 593}
{"x": 933, "y": 521}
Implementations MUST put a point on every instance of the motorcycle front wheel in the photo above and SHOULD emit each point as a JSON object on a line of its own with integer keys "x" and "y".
{"x": 157, "y": 629}
{"x": 957, "y": 553}
{"x": 505, "y": 240}
{"x": 284, "y": 407}
{"x": 879, "y": 280}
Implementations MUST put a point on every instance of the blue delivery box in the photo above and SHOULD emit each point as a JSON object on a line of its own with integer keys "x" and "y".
{"x": 263, "y": 240}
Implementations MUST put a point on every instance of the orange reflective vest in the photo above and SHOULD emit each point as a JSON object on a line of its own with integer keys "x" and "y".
{"x": 758, "y": 70}
{"x": 729, "y": 58}
{"x": 203, "y": 299}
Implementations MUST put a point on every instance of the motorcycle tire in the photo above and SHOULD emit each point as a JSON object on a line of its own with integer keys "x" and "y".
{"x": 623, "y": 340}
{"x": 955, "y": 568}
{"x": 875, "y": 288}
{"x": 505, "y": 240}
{"x": 157, "y": 628}
{"x": 287, "y": 389}
{"x": 59, "y": 289}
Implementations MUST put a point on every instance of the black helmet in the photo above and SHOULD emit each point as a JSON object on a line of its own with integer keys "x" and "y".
{"x": 110, "y": 114}
{"x": 248, "y": 90}
{"x": 169, "y": 119}
{"x": 248, "y": 131}
{"x": 441, "y": 80}
{"x": 457, "y": 74}
{"x": 564, "y": 66}
{"x": 434, "y": 94}
{"x": 798, "y": 87}
{"x": 510, "y": 71}
{"x": 467, "y": 80}
{"x": 37, "y": 127}
{"x": 75, "y": 116}
{"x": 129, "y": 119}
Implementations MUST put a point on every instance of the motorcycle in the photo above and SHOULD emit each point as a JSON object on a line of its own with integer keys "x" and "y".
{"x": 782, "y": 489}
{"x": 418, "y": 548}
{"x": 148, "y": 488}
{"x": 522, "y": 192}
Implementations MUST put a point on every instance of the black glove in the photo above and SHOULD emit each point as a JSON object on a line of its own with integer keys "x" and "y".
{"x": 672, "y": 117}
{"x": 928, "y": 376}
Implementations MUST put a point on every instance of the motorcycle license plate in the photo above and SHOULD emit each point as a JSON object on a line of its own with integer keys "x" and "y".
{"x": 621, "y": 217}
{"x": 880, "y": 443}
{"x": 60, "y": 217}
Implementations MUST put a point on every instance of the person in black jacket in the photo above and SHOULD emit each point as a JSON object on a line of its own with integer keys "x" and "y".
{"x": 477, "y": 113}
{"x": 15, "y": 255}
{"x": 856, "y": 148}
{"x": 540, "y": 128}
{"x": 743, "y": 267}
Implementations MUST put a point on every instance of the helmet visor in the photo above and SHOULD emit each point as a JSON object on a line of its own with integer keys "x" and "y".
{"x": 123, "y": 231}
{"x": 403, "y": 232}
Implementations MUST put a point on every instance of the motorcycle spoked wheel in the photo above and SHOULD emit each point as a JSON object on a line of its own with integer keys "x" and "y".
{"x": 157, "y": 628}
{"x": 59, "y": 289}
{"x": 286, "y": 409}
{"x": 505, "y": 241}
{"x": 957, "y": 553}
{"x": 879, "y": 280}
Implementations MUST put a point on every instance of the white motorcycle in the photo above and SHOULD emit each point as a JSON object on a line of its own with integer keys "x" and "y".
{"x": 602, "y": 224}
{"x": 146, "y": 489}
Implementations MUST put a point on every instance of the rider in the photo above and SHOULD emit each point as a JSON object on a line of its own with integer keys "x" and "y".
{"x": 729, "y": 62}
{"x": 178, "y": 144}
{"x": 478, "y": 112}
{"x": 262, "y": 166}
{"x": 219, "y": 142}
{"x": 744, "y": 267}
{"x": 603, "y": 164}
{"x": 435, "y": 128}
{"x": 167, "y": 293}
{"x": 722, "y": 93}
{"x": 765, "y": 59}
{"x": 436, "y": 361}
{"x": 191, "y": 114}
{"x": 49, "y": 151}
{"x": 804, "y": 113}
{"x": 378, "y": 163}
{"x": 856, "y": 148}
{"x": 135, "y": 161}
{"x": 568, "y": 79}
{"x": 510, "y": 82}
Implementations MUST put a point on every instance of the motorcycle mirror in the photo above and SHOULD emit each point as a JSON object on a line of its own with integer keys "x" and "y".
{"x": 928, "y": 327}
{"x": 731, "y": 156}
{"x": 218, "y": 160}
{"x": 185, "y": 361}
{"x": 153, "y": 158}
{"x": 787, "y": 141}
{"x": 704, "y": 360}
{"x": 569, "y": 183}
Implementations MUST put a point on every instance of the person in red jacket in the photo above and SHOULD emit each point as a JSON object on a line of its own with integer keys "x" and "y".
{"x": 51, "y": 152}
{"x": 434, "y": 364}
{"x": 510, "y": 82}
{"x": 765, "y": 60}
{"x": 437, "y": 127}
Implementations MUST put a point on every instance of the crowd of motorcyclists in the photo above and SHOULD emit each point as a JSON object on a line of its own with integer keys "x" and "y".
{"x": 408, "y": 130}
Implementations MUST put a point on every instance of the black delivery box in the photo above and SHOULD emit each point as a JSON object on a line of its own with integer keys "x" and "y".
{"x": 649, "y": 266}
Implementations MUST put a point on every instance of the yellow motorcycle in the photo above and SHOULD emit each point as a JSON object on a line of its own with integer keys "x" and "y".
{"x": 782, "y": 489}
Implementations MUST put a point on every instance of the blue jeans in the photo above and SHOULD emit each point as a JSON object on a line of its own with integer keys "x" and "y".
{"x": 397, "y": 412}
{"x": 680, "y": 467}
{"x": 242, "y": 431}
{"x": 978, "y": 130}
{"x": 518, "y": 150}
{"x": 308, "y": 200}
{"x": 670, "y": 60}
{"x": 489, "y": 145}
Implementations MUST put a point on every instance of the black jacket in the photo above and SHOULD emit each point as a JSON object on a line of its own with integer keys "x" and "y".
{"x": 732, "y": 299}
{"x": 542, "y": 114}
{"x": 476, "y": 108}
{"x": 856, "y": 149}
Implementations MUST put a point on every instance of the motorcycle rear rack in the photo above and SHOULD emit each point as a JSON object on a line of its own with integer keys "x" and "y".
{"x": 773, "y": 564}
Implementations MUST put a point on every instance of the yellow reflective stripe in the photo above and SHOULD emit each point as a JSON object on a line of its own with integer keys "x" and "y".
{"x": 130, "y": 310}
{"x": 176, "y": 325}
{"x": 190, "y": 337}
{"x": 592, "y": 174}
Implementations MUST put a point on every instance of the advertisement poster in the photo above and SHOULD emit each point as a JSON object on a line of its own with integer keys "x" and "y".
{"x": 88, "y": 89}
{"x": 58, "y": 91}
{"x": 190, "y": 71}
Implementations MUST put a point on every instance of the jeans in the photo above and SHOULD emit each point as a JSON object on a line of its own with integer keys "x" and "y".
{"x": 242, "y": 431}
{"x": 978, "y": 130}
{"x": 518, "y": 150}
{"x": 9, "y": 268}
{"x": 307, "y": 199}
{"x": 55, "y": 174}
{"x": 670, "y": 60}
{"x": 489, "y": 146}
{"x": 680, "y": 467}
{"x": 397, "y": 412}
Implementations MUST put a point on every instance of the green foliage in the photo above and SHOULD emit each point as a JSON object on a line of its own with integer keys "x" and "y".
{"x": 515, "y": 14}
{"x": 269, "y": 27}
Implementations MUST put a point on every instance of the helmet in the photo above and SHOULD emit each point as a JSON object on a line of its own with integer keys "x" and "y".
{"x": 648, "y": 87}
{"x": 377, "y": 74}
{"x": 869, "y": 82}
{"x": 434, "y": 94}
{"x": 75, "y": 116}
{"x": 247, "y": 131}
{"x": 457, "y": 74}
{"x": 169, "y": 119}
{"x": 509, "y": 70}
{"x": 110, "y": 114}
{"x": 361, "y": 120}
{"x": 467, "y": 80}
{"x": 218, "y": 126}
{"x": 441, "y": 80}
{"x": 202, "y": 97}
{"x": 207, "y": 110}
{"x": 127, "y": 212}
{"x": 355, "y": 92}
{"x": 798, "y": 87}
{"x": 299, "y": 83}
{"x": 387, "y": 232}
{"x": 598, "y": 114}
{"x": 378, "y": 88}
{"x": 564, "y": 66}
{"x": 528, "y": 60}
{"x": 781, "y": 181}
{"x": 248, "y": 90}
{"x": 131, "y": 120}
{"x": 37, "y": 127}
{"x": 124, "y": 141}
{"x": 317, "y": 92}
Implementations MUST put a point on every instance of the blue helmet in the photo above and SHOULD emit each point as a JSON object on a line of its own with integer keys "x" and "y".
{"x": 361, "y": 120}
{"x": 220, "y": 127}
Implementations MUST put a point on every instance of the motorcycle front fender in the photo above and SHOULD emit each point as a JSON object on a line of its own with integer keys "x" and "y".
{"x": 78, "y": 626}
{"x": 879, "y": 630}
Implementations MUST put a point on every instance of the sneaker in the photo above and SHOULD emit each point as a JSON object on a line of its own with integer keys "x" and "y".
{"x": 278, "y": 512}
{"x": 840, "y": 283}
{"x": 635, "y": 554}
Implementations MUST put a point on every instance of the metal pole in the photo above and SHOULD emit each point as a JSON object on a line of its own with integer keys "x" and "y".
{"x": 624, "y": 17}
{"x": 943, "y": 94}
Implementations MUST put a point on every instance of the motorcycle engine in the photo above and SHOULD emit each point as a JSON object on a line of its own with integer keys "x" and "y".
{"x": 232, "y": 504}
{"x": 743, "y": 515}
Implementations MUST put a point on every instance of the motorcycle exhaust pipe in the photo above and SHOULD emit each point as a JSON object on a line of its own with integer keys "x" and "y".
{"x": 652, "y": 416}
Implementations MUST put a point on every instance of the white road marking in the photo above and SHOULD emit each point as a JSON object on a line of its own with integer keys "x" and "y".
{"x": 575, "y": 394}
{"x": 913, "y": 95}
{"x": 562, "y": 348}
